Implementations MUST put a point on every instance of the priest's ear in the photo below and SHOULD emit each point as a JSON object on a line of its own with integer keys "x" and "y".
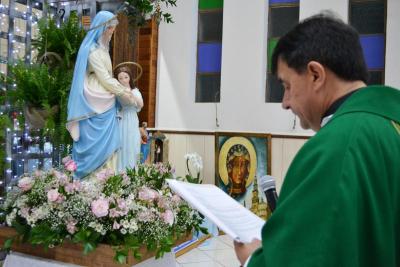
{"x": 317, "y": 74}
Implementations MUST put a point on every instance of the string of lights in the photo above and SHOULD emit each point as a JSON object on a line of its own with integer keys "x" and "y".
{"x": 25, "y": 149}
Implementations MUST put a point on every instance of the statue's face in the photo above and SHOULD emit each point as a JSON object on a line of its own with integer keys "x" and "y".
{"x": 239, "y": 169}
{"x": 124, "y": 79}
{"x": 108, "y": 32}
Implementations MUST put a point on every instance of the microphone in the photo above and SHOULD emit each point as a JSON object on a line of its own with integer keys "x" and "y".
{"x": 267, "y": 184}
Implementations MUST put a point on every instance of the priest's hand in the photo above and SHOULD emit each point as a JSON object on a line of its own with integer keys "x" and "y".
{"x": 243, "y": 251}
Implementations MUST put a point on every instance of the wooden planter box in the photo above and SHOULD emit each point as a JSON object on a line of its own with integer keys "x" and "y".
{"x": 73, "y": 253}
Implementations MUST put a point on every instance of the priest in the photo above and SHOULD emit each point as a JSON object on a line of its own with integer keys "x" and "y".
{"x": 340, "y": 201}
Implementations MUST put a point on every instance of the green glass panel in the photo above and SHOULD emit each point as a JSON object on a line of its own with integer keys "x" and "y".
{"x": 210, "y": 4}
{"x": 271, "y": 46}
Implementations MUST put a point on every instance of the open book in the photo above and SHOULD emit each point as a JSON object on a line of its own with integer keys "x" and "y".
{"x": 229, "y": 215}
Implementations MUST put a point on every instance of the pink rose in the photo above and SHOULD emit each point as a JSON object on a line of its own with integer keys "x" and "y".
{"x": 71, "y": 228}
{"x": 61, "y": 177}
{"x": 163, "y": 203}
{"x": 121, "y": 204}
{"x": 53, "y": 195}
{"x": 70, "y": 166}
{"x": 145, "y": 216}
{"x": 147, "y": 194}
{"x": 60, "y": 199}
{"x": 26, "y": 183}
{"x": 66, "y": 159}
{"x": 114, "y": 213}
{"x": 116, "y": 226}
{"x": 168, "y": 217}
{"x": 104, "y": 174}
{"x": 100, "y": 207}
{"x": 77, "y": 185}
{"x": 69, "y": 188}
{"x": 176, "y": 199}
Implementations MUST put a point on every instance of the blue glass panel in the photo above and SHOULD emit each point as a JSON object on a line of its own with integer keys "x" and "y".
{"x": 209, "y": 57}
{"x": 374, "y": 51}
{"x": 271, "y": 2}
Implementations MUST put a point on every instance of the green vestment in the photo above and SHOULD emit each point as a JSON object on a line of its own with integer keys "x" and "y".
{"x": 340, "y": 201}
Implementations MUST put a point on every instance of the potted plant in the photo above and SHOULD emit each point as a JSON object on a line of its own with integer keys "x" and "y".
{"x": 139, "y": 12}
{"x": 41, "y": 89}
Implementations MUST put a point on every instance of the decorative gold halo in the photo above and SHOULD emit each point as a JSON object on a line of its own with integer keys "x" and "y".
{"x": 131, "y": 63}
{"x": 237, "y": 140}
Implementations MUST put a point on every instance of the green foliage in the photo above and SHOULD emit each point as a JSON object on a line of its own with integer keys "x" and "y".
{"x": 139, "y": 11}
{"x": 88, "y": 238}
{"x": 113, "y": 185}
{"x": 193, "y": 180}
{"x": 8, "y": 243}
{"x": 63, "y": 41}
{"x": 35, "y": 85}
{"x": 45, "y": 85}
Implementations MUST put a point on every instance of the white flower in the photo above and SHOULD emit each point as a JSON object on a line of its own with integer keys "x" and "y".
{"x": 11, "y": 217}
{"x": 21, "y": 201}
{"x": 194, "y": 163}
{"x": 133, "y": 225}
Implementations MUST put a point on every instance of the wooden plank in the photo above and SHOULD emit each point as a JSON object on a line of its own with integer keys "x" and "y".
{"x": 73, "y": 253}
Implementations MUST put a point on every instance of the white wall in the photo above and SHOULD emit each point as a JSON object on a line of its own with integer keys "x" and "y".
{"x": 392, "y": 64}
{"x": 312, "y": 7}
{"x": 283, "y": 151}
{"x": 244, "y": 45}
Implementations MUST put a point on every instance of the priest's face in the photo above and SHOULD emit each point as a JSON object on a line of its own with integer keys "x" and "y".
{"x": 299, "y": 95}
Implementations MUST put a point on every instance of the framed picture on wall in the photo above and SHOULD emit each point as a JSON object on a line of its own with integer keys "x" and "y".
{"x": 240, "y": 160}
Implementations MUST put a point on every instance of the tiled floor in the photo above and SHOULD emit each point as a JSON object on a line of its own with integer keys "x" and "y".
{"x": 214, "y": 252}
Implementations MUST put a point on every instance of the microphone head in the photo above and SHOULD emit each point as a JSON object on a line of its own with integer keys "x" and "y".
{"x": 267, "y": 182}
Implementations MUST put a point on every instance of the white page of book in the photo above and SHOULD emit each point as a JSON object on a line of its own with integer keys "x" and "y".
{"x": 229, "y": 215}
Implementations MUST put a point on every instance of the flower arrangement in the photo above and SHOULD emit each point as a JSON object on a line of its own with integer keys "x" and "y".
{"x": 194, "y": 164}
{"x": 127, "y": 210}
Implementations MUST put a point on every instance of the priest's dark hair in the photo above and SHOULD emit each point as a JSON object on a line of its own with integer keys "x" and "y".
{"x": 327, "y": 40}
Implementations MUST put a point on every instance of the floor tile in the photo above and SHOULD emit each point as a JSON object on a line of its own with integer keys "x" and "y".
{"x": 193, "y": 256}
{"x": 213, "y": 244}
{"x": 226, "y": 239}
{"x": 201, "y": 264}
{"x": 225, "y": 257}
{"x": 231, "y": 263}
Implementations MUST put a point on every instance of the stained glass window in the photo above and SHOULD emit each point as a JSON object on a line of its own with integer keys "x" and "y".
{"x": 282, "y": 16}
{"x": 209, "y": 50}
{"x": 369, "y": 18}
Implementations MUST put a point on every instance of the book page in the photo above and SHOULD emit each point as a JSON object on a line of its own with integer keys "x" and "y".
{"x": 229, "y": 215}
